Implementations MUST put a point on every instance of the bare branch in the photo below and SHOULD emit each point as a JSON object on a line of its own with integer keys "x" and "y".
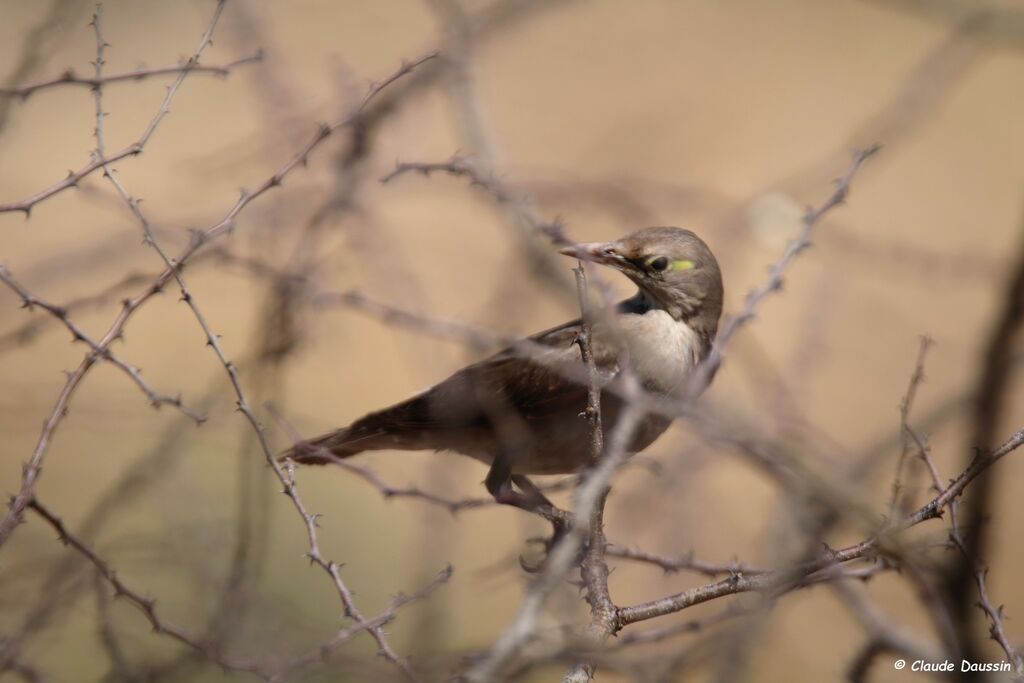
{"x": 100, "y": 159}
{"x": 787, "y": 579}
{"x": 130, "y": 306}
{"x": 160, "y": 625}
{"x": 706, "y": 370}
{"x": 156, "y": 399}
{"x": 285, "y": 475}
{"x": 461, "y": 168}
{"x": 995, "y": 616}
{"x": 593, "y": 568}
{"x": 684, "y": 562}
{"x": 147, "y": 606}
{"x": 589, "y": 495}
{"x": 386, "y": 490}
{"x": 909, "y": 435}
{"x": 69, "y": 77}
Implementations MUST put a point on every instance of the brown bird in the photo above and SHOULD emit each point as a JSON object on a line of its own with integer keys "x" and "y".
{"x": 525, "y": 415}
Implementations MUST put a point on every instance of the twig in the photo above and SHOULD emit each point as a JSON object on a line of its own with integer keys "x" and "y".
{"x": 321, "y": 653}
{"x": 686, "y": 562}
{"x": 909, "y": 435}
{"x": 27, "y": 332}
{"x": 285, "y": 475}
{"x": 69, "y": 77}
{"x": 588, "y": 496}
{"x": 26, "y": 672}
{"x": 705, "y": 371}
{"x": 333, "y": 569}
{"x": 593, "y": 411}
{"x": 788, "y": 578}
{"x": 980, "y": 573}
{"x": 100, "y": 159}
{"x": 993, "y": 391}
{"x": 452, "y": 505}
{"x": 147, "y": 606}
{"x": 156, "y": 399}
{"x": 160, "y": 625}
{"x": 593, "y": 568}
{"x": 132, "y": 305}
{"x": 460, "y": 167}
{"x": 995, "y": 616}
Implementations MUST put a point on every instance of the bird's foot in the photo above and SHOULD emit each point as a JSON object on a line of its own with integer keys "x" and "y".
{"x": 560, "y": 528}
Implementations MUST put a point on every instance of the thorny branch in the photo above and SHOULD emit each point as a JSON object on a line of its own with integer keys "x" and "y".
{"x": 100, "y": 160}
{"x": 593, "y": 568}
{"x": 909, "y": 436}
{"x": 156, "y": 399}
{"x": 879, "y": 552}
{"x": 284, "y": 475}
{"x": 789, "y": 578}
{"x": 706, "y": 370}
{"x": 131, "y": 305}
{"x": 452, "y": 505}
{"x": 69, "y": 77}
{"x": 994, "y": 614}
{"x": 780, "y": 580}
{"x": 160, "y": 625}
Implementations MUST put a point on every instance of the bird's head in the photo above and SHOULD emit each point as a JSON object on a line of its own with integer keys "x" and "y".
{"x": 674, "y": 269}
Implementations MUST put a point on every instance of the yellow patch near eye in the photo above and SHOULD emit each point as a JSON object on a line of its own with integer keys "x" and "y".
{"x": 682, "y": 264}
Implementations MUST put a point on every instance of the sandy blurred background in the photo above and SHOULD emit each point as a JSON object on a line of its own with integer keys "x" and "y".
{"x": 725, "y": 117}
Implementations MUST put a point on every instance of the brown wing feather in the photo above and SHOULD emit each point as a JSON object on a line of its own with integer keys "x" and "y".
{"x": 472, "y": 404}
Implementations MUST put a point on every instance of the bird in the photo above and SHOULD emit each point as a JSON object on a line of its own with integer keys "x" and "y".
{"x": 525, "y": 414}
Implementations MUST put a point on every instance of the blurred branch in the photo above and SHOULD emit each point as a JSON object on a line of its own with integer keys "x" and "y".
{"x": 39, "y": 42}
{"x": 388, "y": 491}
{"x": 883, "y": 635}
{"x": 686, "y": 561}
{"x": 786, "y": 579}
{"x": 100, "y": 159}
{"x": 910, "y": 437}
{"x": 105, "y": 630}
{"x": 588, "y": 497}
{"x": 706, "y": 370}
{"x": 26, "y": 672}
{"x": 460, "y": 167}
{"x": 156, "y": 399}
{"x": 147, "y": 606}
{"x": 69, "y": 77}
{"x": 285, "y": 475}
{"x": 130, "y": 306}
{"x": 29, "y": 331}
{"x": 992, "y": 391}
{"x": 593, "y": 568}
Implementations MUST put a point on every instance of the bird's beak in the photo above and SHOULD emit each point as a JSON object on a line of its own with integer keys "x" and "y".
{"x": 597, "y": 252}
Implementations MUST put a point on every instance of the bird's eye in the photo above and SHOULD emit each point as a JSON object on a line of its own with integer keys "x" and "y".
{"x": 658, "y": 264}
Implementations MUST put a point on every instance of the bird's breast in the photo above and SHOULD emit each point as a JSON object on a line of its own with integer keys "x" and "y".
{"x": 663, "y": 350}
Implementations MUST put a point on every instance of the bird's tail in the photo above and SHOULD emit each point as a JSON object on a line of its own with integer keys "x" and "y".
{"x": 399, "y": 426}
{"x": 340, "y": 443}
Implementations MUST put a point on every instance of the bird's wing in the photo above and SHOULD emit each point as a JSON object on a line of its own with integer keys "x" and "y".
{"x": 476, "y": 400}
{"x": 530, "y": 388}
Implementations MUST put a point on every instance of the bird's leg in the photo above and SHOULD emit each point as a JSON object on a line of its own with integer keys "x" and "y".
{"x": 530, "y": 498}
{"x": 542, "y": 506}
{"x": 499, "y": 483}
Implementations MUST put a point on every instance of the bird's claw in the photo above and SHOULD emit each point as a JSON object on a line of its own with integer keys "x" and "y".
{"x": 559, "y": 530}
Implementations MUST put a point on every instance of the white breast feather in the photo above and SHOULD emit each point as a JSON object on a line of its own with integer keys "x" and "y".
{"x": 663, "y": 351}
